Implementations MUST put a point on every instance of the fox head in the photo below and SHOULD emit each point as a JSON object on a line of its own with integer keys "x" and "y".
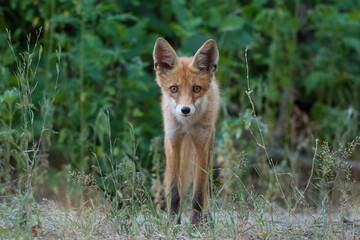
{"x": 185, "y": 80}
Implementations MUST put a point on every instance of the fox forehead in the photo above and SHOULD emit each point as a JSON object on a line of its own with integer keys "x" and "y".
{"x": 183, "y": 75}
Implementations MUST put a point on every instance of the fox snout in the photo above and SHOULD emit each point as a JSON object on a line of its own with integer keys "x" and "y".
{"x": 185, "y": 110}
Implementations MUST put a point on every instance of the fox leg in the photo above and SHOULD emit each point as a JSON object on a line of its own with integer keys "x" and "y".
{"x": 201, "y": 191}
{"x": 172, "y": 151}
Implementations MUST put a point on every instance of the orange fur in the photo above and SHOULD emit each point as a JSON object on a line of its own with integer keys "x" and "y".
{"x": 189, "y": 121}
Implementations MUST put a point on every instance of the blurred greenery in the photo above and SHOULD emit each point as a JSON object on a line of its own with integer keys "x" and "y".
{"x": 304, "y": 59}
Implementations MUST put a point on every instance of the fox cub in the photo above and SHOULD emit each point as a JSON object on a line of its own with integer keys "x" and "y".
{"x": 190, "y": 105}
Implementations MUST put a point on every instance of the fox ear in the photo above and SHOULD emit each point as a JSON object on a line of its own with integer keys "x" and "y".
{"x": 165, "y": 57}
{"x": 207, "y": 57}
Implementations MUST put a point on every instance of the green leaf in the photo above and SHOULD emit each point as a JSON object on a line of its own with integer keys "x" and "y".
{"x": 180, "y": 11}
{"x": 8, "y": 97}
{"x": 232, "y": 23}
{"x": 137, "y": 113}
{"x": 214, "y": 18}
{"x": 353, "y": 43}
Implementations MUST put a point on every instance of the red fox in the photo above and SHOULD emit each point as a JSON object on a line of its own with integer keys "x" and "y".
{"x": 190, "y": 106}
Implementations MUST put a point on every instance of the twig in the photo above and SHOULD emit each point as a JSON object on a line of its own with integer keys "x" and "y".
{"x": 262, "y": 144}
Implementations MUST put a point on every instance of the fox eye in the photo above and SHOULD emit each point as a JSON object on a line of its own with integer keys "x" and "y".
{"x": 173, "y": 89}
{"x": 197, "y": 89}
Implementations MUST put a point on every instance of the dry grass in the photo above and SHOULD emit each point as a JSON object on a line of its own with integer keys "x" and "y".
{"x": 49, "y": 221}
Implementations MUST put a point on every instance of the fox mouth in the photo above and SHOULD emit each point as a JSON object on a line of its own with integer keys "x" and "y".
{"x": 185, "y": 115}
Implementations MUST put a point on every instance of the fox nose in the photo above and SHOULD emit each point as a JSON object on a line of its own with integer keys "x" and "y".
{"x": 185, "y": 110}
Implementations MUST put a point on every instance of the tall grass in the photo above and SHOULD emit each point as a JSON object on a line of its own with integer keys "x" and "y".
{"x": 333, "y": 177}
{"x": 23, "y": 141}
